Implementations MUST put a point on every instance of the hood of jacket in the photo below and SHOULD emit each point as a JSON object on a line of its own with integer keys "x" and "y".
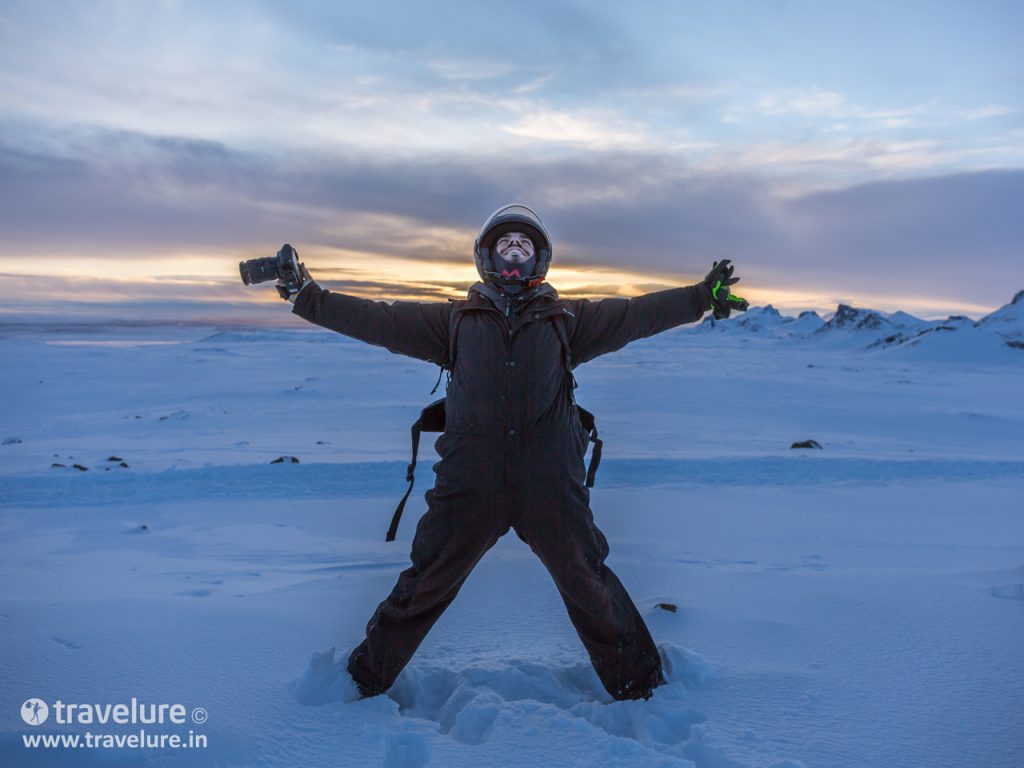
{"x": 505, "y": 302}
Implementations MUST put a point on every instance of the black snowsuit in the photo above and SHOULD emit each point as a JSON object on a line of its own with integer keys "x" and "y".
{"x": 511, "y": 456}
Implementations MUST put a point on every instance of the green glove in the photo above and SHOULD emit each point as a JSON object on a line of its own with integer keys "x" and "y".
{"x": 723, "y": 301}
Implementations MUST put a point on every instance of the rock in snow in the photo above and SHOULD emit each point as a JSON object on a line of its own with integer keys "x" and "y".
{"x": 806, "y": 444}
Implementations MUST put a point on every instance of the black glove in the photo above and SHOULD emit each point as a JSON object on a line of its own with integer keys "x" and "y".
{"x": 294, "y": 276}
{"x": 718, "y": 281}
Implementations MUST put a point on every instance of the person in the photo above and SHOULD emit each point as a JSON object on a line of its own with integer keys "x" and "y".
{"x": 512, "y": 452}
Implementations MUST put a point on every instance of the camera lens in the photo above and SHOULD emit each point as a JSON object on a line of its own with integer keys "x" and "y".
{"x": 258, "y": 270}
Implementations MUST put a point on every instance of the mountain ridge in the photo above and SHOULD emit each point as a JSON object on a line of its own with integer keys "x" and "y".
{"x": 957, "y": 337}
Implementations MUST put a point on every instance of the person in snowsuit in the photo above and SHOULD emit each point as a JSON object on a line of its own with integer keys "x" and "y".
{"x": 512, "y": 453}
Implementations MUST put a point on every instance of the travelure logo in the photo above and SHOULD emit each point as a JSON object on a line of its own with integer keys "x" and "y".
{"x": 143, "y": 725}
{"x": 35, "y": 711}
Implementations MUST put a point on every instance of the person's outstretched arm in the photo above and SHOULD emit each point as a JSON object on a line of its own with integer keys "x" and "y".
{"x": 610, "y": 324}
{"x": 416, "y": 329}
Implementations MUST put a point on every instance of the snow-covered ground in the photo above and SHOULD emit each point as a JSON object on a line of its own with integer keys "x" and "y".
{"x": 857, "y": 605}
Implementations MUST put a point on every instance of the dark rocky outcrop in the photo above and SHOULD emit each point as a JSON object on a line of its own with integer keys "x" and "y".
{"x": 806, "y": 444}
{"x": 888, "y": 341}
{"x": 851, "y": 318}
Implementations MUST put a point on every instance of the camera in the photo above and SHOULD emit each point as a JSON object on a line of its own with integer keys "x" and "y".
{"x": 284, "y": 267}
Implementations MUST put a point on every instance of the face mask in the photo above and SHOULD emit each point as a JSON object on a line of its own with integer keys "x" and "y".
{"x": 511, "y": 269}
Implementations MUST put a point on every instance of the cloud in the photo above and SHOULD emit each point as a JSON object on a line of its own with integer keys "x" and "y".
{"x": 986, "y": 112}
{"x": 958, "y": 234}
{"x": 475, "y": 68}
{"x": 536, "y": 79}
{"x": 594, "y": 131}
{"x": 145, "y": 197}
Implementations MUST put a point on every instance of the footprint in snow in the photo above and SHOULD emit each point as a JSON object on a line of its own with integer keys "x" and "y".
{"x": 467, "y": 702}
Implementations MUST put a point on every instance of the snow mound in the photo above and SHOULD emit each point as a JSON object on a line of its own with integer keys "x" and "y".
{"x": 681, "y": 665}
{"x": 807, "y": 322}
{"x": 709, "y": 324}
{"x": 430, "y": 688}
{"x": 907, "y": 322}
{"x": 852, "y": 327}
{"x": 996, "y": 338}
{"x": 848, "y": 326}
{"x": 325, "y": 680}
{"x": 1008, "y": 320}
{"x": 760, "y": 319}
{"x": 471, "y": 703}
{"x": 765, "y": 321}
{"x": 957, "y": 344}
{"x": 1008, "y": 591}
{"x": 955, "y": 322}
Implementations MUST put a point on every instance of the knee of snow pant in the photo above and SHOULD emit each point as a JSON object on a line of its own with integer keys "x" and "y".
{"x": 455, "y": 532}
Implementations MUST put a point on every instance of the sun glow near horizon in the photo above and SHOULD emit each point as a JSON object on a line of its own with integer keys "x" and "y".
{"x": 208, "y": 279}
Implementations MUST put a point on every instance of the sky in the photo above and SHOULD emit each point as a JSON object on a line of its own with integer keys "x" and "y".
{"x": 869, "y": 153}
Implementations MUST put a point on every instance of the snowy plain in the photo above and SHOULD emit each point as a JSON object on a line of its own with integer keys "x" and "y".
{"x": 855, "y": 605}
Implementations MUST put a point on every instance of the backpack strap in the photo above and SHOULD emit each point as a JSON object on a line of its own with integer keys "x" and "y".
{"x": 453, "y": 335}
{"x": 431, "y": 420}
{"x": 585, "y": 416}
{"x": 449, "y": 366}
{"x": 558, "y": 321}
